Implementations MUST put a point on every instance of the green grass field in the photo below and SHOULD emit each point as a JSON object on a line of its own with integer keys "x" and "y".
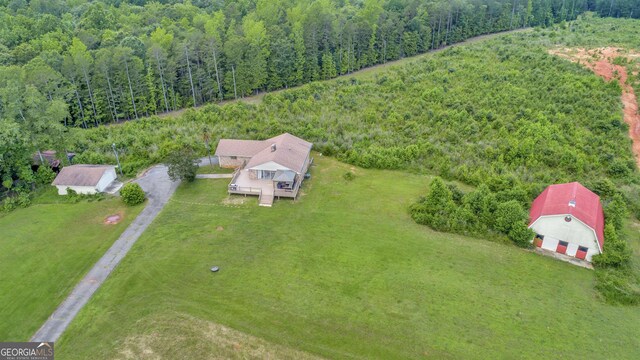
{"x": 215, "y": 169}
{"x": 45, "y": 250}
{"x": 342, "y": 273}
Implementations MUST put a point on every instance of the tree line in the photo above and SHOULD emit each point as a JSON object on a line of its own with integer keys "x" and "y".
{"x": 115, "y": 60}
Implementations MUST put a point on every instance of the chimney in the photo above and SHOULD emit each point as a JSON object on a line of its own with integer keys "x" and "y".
{"x": 273, "y": 147}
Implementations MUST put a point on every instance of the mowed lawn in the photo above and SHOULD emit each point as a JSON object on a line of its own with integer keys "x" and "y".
{"x": 45, "y": 250}
{"x": 342, "y": 273}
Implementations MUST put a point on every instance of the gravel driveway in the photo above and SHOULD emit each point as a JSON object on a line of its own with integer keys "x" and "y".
{"x": 159, "y": 188}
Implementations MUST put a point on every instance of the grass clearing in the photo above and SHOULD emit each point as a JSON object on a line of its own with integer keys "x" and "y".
{"x": 342, "y": 273}
{"x": 45, "y": 250}
{"x": 215, "y": 169}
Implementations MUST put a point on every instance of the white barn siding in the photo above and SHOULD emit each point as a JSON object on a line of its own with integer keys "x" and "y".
{"x": 576, "y": 233}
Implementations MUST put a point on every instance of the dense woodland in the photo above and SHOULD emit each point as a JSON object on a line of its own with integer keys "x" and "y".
{"x": 76, "y": 63}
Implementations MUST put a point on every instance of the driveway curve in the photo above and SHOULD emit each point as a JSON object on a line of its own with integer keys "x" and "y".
{"x": 159, "y": 188}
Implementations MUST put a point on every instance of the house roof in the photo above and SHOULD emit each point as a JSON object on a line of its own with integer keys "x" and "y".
{"x": 286, "y": 150}
{"x": 81, "y": 175}
{"x": 242, "y": 148}
{"x": 572, "y": 199}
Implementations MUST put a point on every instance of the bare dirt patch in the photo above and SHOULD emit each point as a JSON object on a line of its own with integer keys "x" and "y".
{"x": 113, "y": 219}
{"x": 174, "y": 336}
{"x": 602, "y": 62}
{"x": 235, "y": 200}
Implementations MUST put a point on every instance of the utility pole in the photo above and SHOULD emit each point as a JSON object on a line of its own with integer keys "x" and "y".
{"x": 207, "y": 137}
{"x": 235, "y": 92}
{"x": 117, "y": 158}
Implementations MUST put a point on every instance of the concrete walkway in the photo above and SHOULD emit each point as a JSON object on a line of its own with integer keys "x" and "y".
{"x": 159, "y": 188}
{"x": 214, "y": 176}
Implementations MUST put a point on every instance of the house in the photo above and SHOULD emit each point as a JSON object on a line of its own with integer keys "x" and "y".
{"x": 568, "y": 219}
{"x": 267, "y": 168}
{"x": 85, "y": 179}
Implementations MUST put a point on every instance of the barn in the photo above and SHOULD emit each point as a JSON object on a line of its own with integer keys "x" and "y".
{"x": 568, "y": 219}
{"x": 85, "y": 179}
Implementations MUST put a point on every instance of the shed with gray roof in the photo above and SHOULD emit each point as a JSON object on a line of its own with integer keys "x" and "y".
{"x": 85, "y": 179}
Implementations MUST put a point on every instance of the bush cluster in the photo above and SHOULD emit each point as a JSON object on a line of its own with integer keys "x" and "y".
{"x": 132, "y": 194}
{"x": 477, "y": 213}
{"x": 614, "y": 275}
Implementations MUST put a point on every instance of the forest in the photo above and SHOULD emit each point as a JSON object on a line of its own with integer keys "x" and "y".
{"x": 77, "y": 63}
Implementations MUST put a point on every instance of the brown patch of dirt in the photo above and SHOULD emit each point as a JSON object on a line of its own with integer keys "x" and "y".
{"x": 235, "y": 200}
{"x": 113, "y": 219}
{"x": 219, "y": 228}
{"x": 601, "y": 62}
{"x": 171, "y": 336}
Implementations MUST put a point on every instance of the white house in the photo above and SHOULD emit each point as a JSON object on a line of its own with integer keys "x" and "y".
{"x": 568, "y": 219}
{"x": 85, "y": 179}
{"x": 268, "y": 168}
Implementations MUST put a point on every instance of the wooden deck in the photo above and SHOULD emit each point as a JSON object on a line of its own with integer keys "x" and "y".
{"x": 242, "y": 184}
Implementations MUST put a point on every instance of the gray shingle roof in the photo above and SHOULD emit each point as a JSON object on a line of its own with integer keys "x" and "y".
{"x": 290, "y": 151}
{"x": 81, "y": 175}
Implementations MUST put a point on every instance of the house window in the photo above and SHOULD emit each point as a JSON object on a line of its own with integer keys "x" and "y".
{"x": 233, "y": 157}
{"x": 582, "y": 248}
{"x": 563, "y": 243}
{"x": 266, "y": 174}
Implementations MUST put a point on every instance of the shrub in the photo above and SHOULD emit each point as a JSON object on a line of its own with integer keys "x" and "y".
{"x": 435, "y": 209}
{"x": 132, "y": 194}
{"x": 73, "y": 196}
{"x": 508, "y": 215}
{"x": 616, "y": 252}
{"x": 10, "y": 204}
{"x": 616, "y": 211}
{"x": 24, "y": 199}
{"x": 44, "y": 175}
{"x": 182, "y": 165}
{"x": 521, "y": 235}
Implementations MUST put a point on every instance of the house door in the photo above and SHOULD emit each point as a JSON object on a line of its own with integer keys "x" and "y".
{"x": 562, "y": 247}
{"x": 582, "y": 252}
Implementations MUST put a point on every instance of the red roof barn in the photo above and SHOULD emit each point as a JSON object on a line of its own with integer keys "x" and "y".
{"x": 568, "y": 219}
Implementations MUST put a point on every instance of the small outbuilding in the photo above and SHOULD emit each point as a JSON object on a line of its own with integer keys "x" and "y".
{"x": 85, "y": 179}
{"x": 568, "y": 219}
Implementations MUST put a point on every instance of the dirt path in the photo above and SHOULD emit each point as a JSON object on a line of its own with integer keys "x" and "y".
{"x": 601, "y": 62}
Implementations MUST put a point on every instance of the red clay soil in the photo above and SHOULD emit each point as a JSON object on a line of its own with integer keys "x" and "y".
{"x": 113, "y": 219}
{"x": 600, "y": 61}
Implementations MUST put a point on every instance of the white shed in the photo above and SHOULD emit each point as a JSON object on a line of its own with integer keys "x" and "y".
{"x": 85, "y": 179}
{"x": 568, "y": 219}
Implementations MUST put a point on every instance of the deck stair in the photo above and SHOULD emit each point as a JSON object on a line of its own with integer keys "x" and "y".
{"x": 266, "y": 200}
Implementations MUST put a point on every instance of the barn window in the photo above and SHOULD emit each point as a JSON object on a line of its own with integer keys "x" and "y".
{"x": 567, "y": 218}
{"x": 582, "y": 248}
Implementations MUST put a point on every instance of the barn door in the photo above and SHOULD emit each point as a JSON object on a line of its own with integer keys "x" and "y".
{"x": 562, "y": 247}
{"x": 582, "y": 252}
